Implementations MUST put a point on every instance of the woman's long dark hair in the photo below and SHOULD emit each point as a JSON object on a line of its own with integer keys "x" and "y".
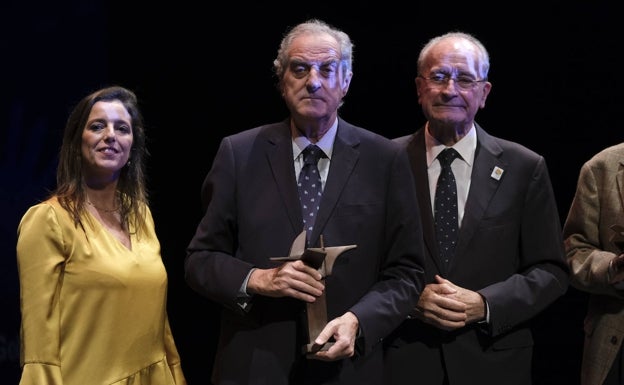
{"x": 70, "y": 187}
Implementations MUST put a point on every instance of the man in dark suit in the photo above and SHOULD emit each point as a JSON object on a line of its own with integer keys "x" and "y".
{"x": 253, "y": 213}
{"x": 506, "y": 263}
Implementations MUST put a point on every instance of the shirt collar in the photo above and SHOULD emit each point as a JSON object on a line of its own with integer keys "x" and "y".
{"x": 466, "y": 146}
{"x": 326, "y": 143}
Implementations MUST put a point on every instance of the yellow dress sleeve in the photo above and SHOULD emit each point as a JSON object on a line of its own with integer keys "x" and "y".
{"x": 40, "y": 260}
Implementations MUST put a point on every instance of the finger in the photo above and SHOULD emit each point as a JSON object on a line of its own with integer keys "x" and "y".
{"x": 450, "y": 304}
{"x": 439, "y": 279}
{"x": 445, "y": 316}
{"x": 309, "y": 270}
{"x": 300, "y": 279}
{"x": 444, "y": 285}
{"x": 326, "y": 334}
{"x": 450, "y": 325}
{"x": 335, "y": 348}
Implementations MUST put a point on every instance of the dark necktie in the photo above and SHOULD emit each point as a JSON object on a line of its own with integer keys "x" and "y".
{"x": 310, "y": 187}
{"x": 445, "y": 208}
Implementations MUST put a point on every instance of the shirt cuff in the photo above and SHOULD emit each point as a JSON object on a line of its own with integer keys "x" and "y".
{"x": 243, "y": 299}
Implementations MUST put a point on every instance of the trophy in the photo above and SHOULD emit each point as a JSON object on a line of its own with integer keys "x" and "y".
{"x": 321, "y": 258}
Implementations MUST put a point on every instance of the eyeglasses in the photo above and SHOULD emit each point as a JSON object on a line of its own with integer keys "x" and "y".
{"x": 441, "y": 80}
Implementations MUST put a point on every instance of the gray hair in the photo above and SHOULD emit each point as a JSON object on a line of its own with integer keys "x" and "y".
{"x": 314, "y": 27}
{"x": 483, "y": 56}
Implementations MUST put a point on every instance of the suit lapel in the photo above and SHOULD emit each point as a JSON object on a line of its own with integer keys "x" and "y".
{"x": 488, "y": 172}
{"x": 418, "y": 159}
{"x": 344, "y": 159}
{"x": 280, "y": 158}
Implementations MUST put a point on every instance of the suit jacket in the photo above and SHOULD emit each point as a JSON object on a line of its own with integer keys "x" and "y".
{"x": 253, "y": 213}
{"x": 589, "y": 243}
{"x": 510, "y": 250}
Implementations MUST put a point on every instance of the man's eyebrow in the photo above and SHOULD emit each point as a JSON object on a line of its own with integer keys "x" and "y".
{"x": 320, "y": 63}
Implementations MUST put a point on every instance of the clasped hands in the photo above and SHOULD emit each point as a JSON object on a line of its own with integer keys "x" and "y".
{"x": 298, "y": 280}
{"x": 448, "y": 306}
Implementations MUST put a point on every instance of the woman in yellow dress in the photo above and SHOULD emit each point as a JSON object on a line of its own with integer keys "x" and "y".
{"x": 93, "y": 287}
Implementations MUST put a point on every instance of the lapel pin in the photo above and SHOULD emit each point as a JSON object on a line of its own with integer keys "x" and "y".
{"x": 497, "y": 173}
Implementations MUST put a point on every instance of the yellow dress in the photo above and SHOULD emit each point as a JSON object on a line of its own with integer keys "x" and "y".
{"x": 93, "y": 311}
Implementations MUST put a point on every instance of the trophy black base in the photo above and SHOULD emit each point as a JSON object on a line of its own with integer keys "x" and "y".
{"x": 312, "y": 348}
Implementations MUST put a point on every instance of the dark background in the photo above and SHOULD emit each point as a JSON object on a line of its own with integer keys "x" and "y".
{"x": 202, "y": 71}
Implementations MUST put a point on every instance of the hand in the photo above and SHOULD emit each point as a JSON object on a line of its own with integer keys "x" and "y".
{"x": 291, "y": 279}
{"x": 437, "y": 307}
{"x": 344, "y": 331}
{"x": 616, "y": 269}
{"x": 448, "y": 306}
{"x": 475, "y": 304}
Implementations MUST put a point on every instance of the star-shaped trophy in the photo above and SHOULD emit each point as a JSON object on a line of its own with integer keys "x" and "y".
{"x": 321, "y": 258}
